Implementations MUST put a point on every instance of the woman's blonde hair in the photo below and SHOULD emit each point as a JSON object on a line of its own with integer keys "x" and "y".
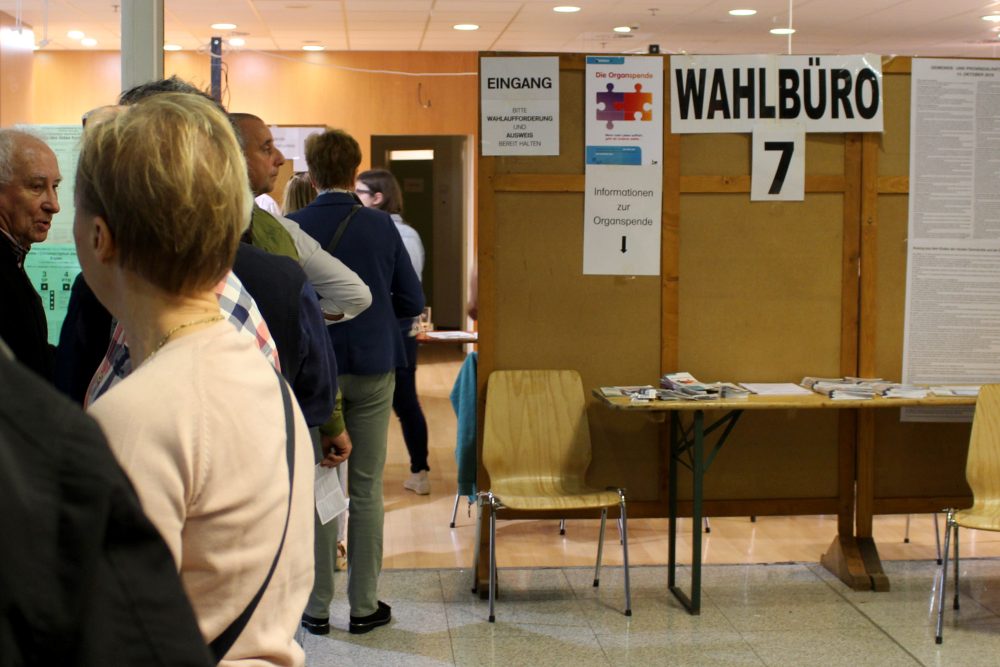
{"x": 168, "y": 177}
{"x": 299, "y": 192}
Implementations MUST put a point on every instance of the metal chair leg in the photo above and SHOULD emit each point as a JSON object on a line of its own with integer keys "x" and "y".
{"x": 476, "y": 547}
{"x": 624, "y": 522}
{"x": 454, "y": 511}
{"x": 937, "y": 538}
{"x": 955, "y": 605}
{"x": 939, "y": 636}
{"x": 619, "y": 530}
{"x": 493, "y": 555}
{"x": 562, "y": 526}
{"x": 708, "y": 526}
{"x": 906, "y": 535}
{"x": 600, "y": 548}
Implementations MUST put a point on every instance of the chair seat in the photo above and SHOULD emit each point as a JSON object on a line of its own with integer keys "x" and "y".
{"x": 981, "y": 516}
{"x": 533, "y": 494}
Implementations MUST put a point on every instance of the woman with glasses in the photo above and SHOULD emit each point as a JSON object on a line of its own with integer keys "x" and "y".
{"x": 378, "y": 188}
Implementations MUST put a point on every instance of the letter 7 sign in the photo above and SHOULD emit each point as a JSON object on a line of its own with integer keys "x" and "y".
{"x": 778, "y": 163}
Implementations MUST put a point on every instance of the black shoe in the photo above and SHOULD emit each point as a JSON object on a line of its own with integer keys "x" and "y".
{"x": 363, "y": 624}
{"x": 316, "y": 626}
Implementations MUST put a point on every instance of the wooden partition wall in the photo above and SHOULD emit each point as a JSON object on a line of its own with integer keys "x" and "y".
{"x": 749, "y": 291}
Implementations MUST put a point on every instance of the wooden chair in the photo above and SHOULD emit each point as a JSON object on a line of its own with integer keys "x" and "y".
{"x": 536, "y": 449}
{"x": 982, "y": 471}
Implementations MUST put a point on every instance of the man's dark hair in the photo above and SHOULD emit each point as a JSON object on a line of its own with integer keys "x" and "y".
{"x": 171, "y": 85}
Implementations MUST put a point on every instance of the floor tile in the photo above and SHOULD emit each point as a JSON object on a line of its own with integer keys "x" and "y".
{"x": 708, "y": 648}
{"x": 539, "y": 649}
{"x": 968, "y": 644}
{"x": 645, "y": 581}
{"x": 829, "y": 648}
{"x": 387, "y": 646}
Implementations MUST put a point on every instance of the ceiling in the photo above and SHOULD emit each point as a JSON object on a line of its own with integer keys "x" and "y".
{"x": 887, "y": 27}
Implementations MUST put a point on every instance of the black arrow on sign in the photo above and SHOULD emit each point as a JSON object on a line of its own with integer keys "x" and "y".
{"x": 624, "y": 248}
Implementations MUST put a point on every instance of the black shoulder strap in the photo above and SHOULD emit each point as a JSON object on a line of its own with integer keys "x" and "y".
{"x": 221, "y": 644}
{"x": 343, "y": 228}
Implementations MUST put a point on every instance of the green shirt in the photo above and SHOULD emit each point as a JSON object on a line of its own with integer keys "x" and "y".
{"x": 270, "y": 235}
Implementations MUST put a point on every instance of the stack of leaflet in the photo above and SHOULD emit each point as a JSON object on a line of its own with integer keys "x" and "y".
{"x": 685, "y": 386}
{"x": 845, "y": 389}
{"x": 956, "y": 390}
{"x": 894, "y": 390}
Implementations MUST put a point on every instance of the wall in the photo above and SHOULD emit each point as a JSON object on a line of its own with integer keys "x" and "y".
{"x": 15, "y": 79}
{"x": 285, "y": 89}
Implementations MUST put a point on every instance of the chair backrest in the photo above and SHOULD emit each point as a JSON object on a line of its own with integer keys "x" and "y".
{"x": 536, "y": 425}
{"x": 982, "y": 468}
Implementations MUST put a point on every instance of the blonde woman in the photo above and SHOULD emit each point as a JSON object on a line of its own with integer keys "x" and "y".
{"x": 219, "y": 455}
{"x": 299, "y": 191}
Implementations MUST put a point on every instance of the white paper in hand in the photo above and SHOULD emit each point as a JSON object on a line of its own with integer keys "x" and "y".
{"x": 330, "y": 499}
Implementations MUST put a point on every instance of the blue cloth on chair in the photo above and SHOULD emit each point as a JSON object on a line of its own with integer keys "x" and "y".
{"x": 463, "y": 400}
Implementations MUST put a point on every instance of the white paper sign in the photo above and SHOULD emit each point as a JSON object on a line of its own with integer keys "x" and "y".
{"x": 952, "y": 326}
{"x": 624, "y": 165}
{"x": 519, "y": 103}
{"x": 622, "y": 220}
{"x": 624, "y": 110}
{"x": 779, "y": 164}
{"x": 841, "y": 93}
{"x": 291, "y": 141}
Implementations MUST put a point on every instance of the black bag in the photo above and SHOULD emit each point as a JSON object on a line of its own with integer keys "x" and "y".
{"x": 85, "y": 578}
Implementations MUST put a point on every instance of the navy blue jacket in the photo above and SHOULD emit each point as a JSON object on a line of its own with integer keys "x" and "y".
{"x": 369, "y": 344}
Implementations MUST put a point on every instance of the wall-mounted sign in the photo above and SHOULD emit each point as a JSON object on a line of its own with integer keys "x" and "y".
{"x": 519, "y": 106}
{"x": 734, "y": 93}
{"x": 779, "y": 159}
{"x": 624, "y": 165}
{"x": 291, "y": 141}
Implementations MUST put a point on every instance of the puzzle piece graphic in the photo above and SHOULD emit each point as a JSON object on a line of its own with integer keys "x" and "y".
{"x": 612, "y": 106}
{"x": 638, "y": 105}
{"x": 609, "y": 106}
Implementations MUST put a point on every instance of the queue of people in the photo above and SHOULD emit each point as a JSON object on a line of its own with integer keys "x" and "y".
{"x": 222, "y": 350}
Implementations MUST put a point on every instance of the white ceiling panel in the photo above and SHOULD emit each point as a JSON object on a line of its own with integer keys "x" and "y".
{"x": 938, "y": 27}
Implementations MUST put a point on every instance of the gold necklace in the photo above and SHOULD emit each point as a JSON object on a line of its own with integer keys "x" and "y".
{"x": 166, "y": 337}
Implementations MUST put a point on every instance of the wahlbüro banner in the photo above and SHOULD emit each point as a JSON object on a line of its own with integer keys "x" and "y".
{"x": 734, "y": 93}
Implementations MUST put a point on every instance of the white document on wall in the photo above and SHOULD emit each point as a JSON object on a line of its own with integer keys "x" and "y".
{"x": 623, "y": 191}
{"x": 519, "y": 103}
{"x": 291, "y": 141}
{"x": 952, "y": 326}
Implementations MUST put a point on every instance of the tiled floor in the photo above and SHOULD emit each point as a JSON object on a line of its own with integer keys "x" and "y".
{"x": 784, "y": 614}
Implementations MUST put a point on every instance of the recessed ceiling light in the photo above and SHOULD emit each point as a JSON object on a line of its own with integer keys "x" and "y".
{"x": 171, "y": 47}
{"x": 75, "y": 34}
{"x": 312, "y": 47}
{"x": 566, "y": 9}
{"x": 742, "y": 12}
{"x": 466, "y": 26}
{"x": 623, "y": 28}
{"x": 993, "y": 18}
{"x": 88, "y": 41}
{"x": 223, "y": 26}
{"x": 237, "y": 41}
{"x": 782, "y": 31}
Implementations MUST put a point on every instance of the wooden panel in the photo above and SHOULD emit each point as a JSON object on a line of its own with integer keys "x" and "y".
{"x": 894, "y": 156}
{"x": 549, "y": 315}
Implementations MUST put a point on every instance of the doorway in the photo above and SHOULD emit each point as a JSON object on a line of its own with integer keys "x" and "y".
{"x": 434, "y": 176}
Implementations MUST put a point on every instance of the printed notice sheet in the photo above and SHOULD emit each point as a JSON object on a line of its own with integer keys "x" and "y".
{"x": 623, "y": 117}
{"x": 519, "y": 100}
{"x": 952, "y": 330}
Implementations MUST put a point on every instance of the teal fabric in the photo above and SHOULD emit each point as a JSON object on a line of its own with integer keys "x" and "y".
{"x": 367, "y": 401}
{"x": 463, "y": 400}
